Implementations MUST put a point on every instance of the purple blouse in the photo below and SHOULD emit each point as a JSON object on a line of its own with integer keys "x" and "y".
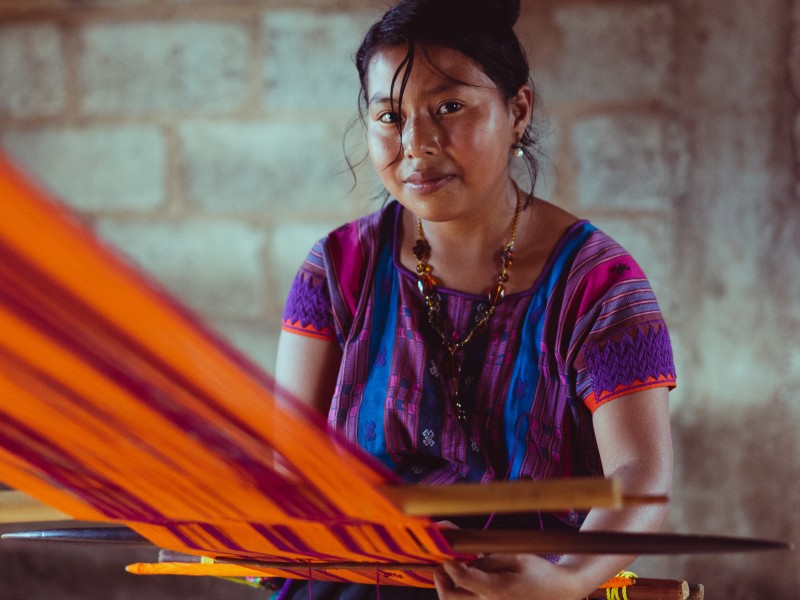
{"x": 586, "y": 331}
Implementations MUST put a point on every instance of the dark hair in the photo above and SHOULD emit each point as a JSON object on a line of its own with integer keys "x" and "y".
{"x": 480, "y": 29}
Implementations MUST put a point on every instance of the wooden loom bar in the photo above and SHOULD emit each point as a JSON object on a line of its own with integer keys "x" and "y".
{"x": 18, "y": 507}
{"x": 650, "y": 589}
{"x": 419, "y": 500}
{"x": 467, "y": 541}
{"x": 640, "y": 589}
{"x": 598, "y": 542}
{"x": 509, "y": 496}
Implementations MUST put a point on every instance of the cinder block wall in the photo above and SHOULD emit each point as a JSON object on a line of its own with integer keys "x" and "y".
{"x": 204, "y": 139}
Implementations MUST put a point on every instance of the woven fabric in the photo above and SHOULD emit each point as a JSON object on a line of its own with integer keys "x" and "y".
{"x": 117, "y": 405}
{"x": 529, "y": 384}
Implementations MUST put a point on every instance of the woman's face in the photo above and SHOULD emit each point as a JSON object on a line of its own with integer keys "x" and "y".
{"x": 450, "y": 158}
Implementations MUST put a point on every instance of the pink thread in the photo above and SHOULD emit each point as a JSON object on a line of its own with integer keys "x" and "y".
{"x": 377, "y": 584}
{"x": 310, "y": 577}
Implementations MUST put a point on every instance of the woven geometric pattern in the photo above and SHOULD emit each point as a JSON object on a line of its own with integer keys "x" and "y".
{"x": 643, "y": 355}
{"x": 308, "y": 306}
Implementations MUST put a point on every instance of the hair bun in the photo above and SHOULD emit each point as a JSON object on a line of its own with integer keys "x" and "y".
{"x": 507, "y": 11}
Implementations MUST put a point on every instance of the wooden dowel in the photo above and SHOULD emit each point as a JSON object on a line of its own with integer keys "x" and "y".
{"x": 80, "y": 535}
{"x": 507, "y": 497}
{"x": 419, "y": 500}
{"x": 477, "y": 541}
{"x": 650, "y": 589}
{"x": 470, "y": 541}
{"x": 18, "y": 507}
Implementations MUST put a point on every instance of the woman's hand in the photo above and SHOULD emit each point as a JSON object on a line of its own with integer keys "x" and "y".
{"x": 506, "y": 577}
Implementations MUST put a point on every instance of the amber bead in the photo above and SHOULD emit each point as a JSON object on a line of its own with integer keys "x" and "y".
{"x": 497, "y": 294}
{"x": 425, "y": 283}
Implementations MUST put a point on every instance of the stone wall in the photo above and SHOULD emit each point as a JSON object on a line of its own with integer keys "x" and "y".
{"x": 204, "y": 139}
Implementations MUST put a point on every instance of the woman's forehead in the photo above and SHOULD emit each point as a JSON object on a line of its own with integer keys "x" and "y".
{"x": 434, "y": 67}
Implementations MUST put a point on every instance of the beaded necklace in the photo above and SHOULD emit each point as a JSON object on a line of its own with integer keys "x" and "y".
{"x": 428, "y": 288}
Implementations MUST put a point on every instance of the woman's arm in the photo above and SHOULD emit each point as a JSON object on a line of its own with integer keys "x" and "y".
{"x": 633, "y": 437}
{"x": 307, "y": 368}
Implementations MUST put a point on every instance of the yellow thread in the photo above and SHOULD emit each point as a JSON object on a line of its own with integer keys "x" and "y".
{"x": 620, "y": 581}
{"x": 206, "y": 560}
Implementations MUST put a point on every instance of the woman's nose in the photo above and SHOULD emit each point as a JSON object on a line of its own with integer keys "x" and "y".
{"x": 419, "y": 137}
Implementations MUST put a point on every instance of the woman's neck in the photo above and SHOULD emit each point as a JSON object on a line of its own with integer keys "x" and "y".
{"x": 464, "y": 253}
{"x": 471, "y": 263}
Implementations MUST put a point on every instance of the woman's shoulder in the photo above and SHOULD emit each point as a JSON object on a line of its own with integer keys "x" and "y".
{"x": 562, "y": 233}
{"x": 602, "y": 256}
{"x": 350, "y": 237}
{"x": 365, "y": 226}
{"x": 588, "y": 261}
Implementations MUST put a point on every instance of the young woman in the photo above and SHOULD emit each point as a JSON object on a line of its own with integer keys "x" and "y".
{"x": 467, "y": 330}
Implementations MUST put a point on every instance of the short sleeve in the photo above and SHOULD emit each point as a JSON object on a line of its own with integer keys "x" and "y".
{"x": 308, "y": 306}
{"x": 626, "y": 345}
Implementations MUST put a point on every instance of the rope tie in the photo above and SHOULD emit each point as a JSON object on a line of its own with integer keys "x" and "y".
{"x": 616, "y": 587}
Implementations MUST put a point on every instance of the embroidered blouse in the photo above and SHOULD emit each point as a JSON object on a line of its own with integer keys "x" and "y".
{"x": 588, "y": 330}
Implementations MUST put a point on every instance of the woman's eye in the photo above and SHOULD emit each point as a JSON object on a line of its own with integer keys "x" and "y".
{"x": 449, "y": 107}
{"x": 389, "y": 117}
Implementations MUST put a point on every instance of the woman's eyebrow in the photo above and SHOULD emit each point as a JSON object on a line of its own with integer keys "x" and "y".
{"x": 377, "y": 99}
{"x": 381, "y": 98}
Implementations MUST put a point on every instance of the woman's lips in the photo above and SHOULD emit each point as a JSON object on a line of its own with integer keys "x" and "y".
{"x": 425, "y": 183}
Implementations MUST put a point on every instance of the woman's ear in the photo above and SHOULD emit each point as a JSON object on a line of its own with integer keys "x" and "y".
{"x": 521, "y": 108}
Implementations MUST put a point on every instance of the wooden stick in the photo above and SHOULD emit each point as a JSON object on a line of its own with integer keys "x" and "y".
{"x": 423, "y": 500}
{"x": 650, "y": 589}
{"x": 507, "y": 497}
{"x": 18, "y": 507}
{"x": 468, "y": 541}
{"x": 82, "y": 535}
{"x": 476, "y": 541}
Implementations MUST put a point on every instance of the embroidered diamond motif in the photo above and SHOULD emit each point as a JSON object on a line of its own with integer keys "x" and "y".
{"x": 428, "y": 437}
